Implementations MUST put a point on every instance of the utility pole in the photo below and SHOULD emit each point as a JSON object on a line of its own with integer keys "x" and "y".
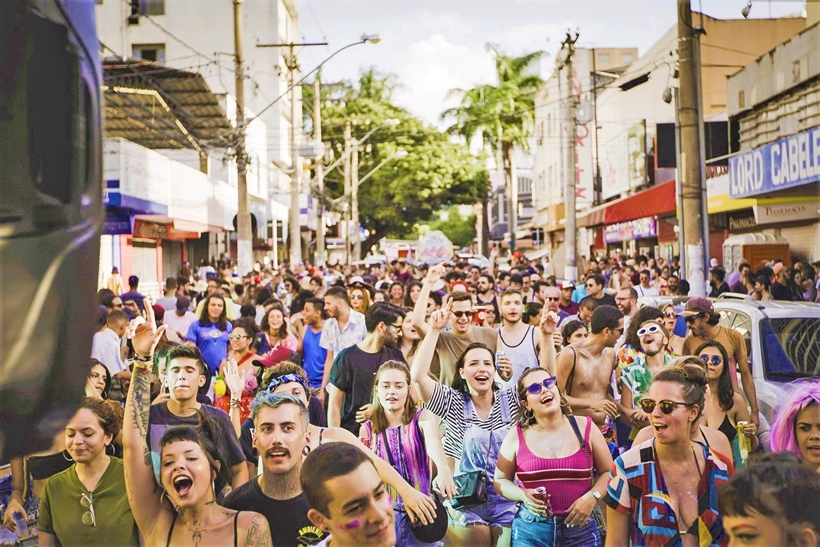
{"x": 354, "y": 200}
{"x": 570, "y": 242}
{"x": 320, "y": 174}
{"x": 689, "y": 169}
{"x": 244, "y": 237}
{"x": 348, "y": 140}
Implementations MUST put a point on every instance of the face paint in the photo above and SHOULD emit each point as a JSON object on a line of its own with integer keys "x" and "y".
{"x": 352, "y": 525}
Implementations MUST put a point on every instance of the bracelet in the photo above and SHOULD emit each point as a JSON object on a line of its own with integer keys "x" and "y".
{"x": 235, "y": 403}
{"x": 144, "y": 358}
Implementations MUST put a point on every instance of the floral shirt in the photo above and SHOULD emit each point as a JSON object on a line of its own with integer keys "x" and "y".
{"x": 637, "y": 488}
{"x": 636, "y": 376}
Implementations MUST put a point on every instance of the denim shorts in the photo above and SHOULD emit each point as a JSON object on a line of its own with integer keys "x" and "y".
{"x": 530, "y": 530}
{"x": 497, "y": 511}
{"x": 404, "y": 532}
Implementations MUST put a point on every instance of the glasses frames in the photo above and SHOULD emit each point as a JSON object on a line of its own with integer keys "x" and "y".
{"x": 670, "y": 314}
{"x": 691, "y": 319}
{"x": 535, "y": 389}
{"x": 462, "y": 313}
{"x": 652, "y": 329}
{"x": 714, "y": 360}
{"x": 666, "y": 406}
{"x": 89, "y": 517}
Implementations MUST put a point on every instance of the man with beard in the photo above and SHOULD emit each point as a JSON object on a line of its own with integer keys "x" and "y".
{"x": 674, "y": 285}
{"x": 519, "y": 341}
{"x": 627, "y": 301}
{"x": 351, "y": 379}
{"x": 485, "y": 294}
{"x": 347, "y": 498}
{"x": 451, "y": 344}
{"x": 703, "y": 323}
{"x": 637, "y": 375}
{"x": 584, "y": 370}
{"x": 280, "y": 436}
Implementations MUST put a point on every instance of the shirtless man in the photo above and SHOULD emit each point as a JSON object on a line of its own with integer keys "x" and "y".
{"x": 584, "y": 371}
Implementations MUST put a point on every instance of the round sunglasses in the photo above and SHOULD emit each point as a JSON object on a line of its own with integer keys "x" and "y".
{"x": 652, "y": 329}
{"x": 666, "y": 406}
{"x": 714, "y": 360}
{"x": 535, "y": 389}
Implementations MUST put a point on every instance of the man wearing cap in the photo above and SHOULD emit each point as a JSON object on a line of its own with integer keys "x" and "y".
{"x": 703, "y": 324}
{"x": 566, "y": 304}
{"x": 182, "y": 317}
{"x": 132, "y": 294}
{"x": 780, "y": 290}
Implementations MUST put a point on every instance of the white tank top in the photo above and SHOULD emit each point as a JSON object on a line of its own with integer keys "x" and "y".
{"x": 522, "y": 355}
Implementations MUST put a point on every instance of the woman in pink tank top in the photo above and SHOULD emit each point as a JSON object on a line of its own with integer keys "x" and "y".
{"x": 553, "y": 455}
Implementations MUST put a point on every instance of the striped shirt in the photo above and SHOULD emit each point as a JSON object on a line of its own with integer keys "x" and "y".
{"x": 448, "y": 404}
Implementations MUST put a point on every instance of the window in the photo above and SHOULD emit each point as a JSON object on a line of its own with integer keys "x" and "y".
{"x": 152, "y": 7}
{"x": 603, "y": 57}
{"x": 149, "y": 52}
{"x": 627, "y": 58}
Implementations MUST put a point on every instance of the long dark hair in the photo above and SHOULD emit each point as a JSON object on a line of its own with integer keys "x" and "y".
{"x": 459, "y": 383}
{"x": 379, "y": 417}
{"x": 725, "y": 390}
{"x": 107, "y": 388}
{"x": 205, "y": 319}
{"x": 265, "y": 324}
{"x": 407, "y": 302}
{"x": 521, "y": 417}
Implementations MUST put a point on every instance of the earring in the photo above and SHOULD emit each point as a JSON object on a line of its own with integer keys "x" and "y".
{"x": 164, "y": 496}
{"x": 213, "y": 489}
{"x": 528, "y": 414}
{"x": 69, "y": 458}
{"x": 306, "y": 450}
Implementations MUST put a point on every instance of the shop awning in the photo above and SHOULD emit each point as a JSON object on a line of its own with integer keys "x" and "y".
{"x": 656, "y": 201}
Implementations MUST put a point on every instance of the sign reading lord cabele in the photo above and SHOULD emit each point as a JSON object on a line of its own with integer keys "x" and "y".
{"x": 789, "y": 162}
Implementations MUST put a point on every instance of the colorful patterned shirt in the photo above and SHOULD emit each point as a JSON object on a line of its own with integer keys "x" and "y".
{"x": 637, "y": 488}
{"x": 637, "y": 378}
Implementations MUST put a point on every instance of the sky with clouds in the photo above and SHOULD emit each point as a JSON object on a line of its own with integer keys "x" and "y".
{"x": 433, "y": 46}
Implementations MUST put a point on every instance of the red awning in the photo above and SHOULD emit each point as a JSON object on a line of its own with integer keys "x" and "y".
{"x": 656, "y": 201}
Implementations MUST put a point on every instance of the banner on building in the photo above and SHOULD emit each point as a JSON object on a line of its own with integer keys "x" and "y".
{"x": 636, "y": 154}
{"x": 615, "y": 166}
{"x": 642, "y": 228}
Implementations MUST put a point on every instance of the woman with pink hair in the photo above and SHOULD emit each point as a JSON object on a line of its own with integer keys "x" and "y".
{"x": 796, "y": 426}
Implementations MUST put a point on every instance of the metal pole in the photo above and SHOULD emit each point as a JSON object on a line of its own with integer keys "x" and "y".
{"x": 679, "y": 189}
{"x": 294, "y": 231}
{"x": 570, "y": 243}
{"x": 702, "y": 138}
{"x": 354, "y": 200}
{"x": 347, "y": 193}
{"x": 244, "y": 237}
{"x": 320, "y": 175}
{"x": 690, "y": 170}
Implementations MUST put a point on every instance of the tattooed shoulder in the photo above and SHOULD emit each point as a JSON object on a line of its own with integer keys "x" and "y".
{"x": 258, "y": 532}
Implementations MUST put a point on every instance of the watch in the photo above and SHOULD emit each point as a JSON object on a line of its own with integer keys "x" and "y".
{"x": 596, "y": 495}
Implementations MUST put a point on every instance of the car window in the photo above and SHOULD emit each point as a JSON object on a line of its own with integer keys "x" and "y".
{"x": 794, "y": 338}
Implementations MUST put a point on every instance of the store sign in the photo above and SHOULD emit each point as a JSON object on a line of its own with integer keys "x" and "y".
{"x": 787, "y": 212}
{"x": 641, "y": 228}
{"x": 743, "y": 220}
{"x": 116, "y": 224}
{"x": 786, "y": 163}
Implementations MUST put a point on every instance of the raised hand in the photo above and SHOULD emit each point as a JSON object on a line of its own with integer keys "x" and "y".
{"x": 440, "y": 318}
{"x": 549, "y": 321}
{"x": 233, "y": 378}
{"x": 144, "y": 333}
{"x": 436, "y": 272}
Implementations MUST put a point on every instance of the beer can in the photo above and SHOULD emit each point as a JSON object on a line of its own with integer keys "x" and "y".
{"x": 497, "y": 355}
{"x": 540, "y": 493}
{"x": 744, "y": 443}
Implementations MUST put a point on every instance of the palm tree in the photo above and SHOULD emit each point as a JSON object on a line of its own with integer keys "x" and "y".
{"x": 503, "y": 115}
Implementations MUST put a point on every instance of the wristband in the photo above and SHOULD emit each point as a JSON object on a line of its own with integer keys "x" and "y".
{"x": 144, "y": 358}
{"x": 235, "y": 402}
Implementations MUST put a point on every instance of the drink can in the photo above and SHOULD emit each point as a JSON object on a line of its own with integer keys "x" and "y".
{"x": 540, "y": 493}
{"x": 479, "y": 314}
{"x": 744, "y": 443}
{"x": 497, "y": 355}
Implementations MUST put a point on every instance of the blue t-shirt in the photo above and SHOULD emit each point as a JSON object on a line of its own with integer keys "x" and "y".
{"x": 314, "y": 362}
{"x": 212, "y": 343}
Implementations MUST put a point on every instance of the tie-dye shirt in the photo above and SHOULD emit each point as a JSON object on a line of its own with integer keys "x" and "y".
{"x": 637, "y": 488}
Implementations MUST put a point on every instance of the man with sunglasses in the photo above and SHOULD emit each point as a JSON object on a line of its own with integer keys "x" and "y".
{"x": 704, "y": 325}
{"x": 451, "y": 344}
{"x": 595, "y": 288}
{"x": 585, "y": 368}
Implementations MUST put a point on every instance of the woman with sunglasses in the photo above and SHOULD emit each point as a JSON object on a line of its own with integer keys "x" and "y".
{"x": 477, "y": 415}
{"x": 546, "y": 449}
{"x": 725, "y": 407}
{"x": 670, "y": 320}
{"x": 87, "y": 504}
{"x": 668, "y": 484}
{"x": 239, "y": 394}
{"x": 408, "y": 438}
{"x": 359, "y": 299}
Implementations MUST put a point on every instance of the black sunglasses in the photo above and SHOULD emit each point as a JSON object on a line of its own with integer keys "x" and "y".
{"x": 670, "y": 314}
{"x": 666, "y": 406}
{"x": 552, "y": 299}
{"x": 691, "y": 319}
{"x": 535, "y": 388}
{"x": 461, "y": 313}
{"x": 715, "y": 360}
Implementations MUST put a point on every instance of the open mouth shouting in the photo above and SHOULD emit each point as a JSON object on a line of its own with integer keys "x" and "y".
{"x": 277, "y": 454}
{"x": 183, "y": 485}
{"x": 659, "y": 426}
{"x": 482, "y": 378}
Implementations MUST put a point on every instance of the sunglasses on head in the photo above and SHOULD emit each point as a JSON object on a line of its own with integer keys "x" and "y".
{"x": 715, "y": 360}
{"x": 535, "y": 388}
{"x": 651, "y": 329}
{"x": 666, "y": 406}
{"x": 461, "y": 313}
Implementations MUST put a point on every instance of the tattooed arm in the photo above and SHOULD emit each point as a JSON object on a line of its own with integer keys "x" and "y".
{"x": 258, "y": 529}
{"x": 143, "y": 492}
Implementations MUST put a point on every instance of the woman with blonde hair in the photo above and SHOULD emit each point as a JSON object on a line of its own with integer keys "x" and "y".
{"x": 670, "y": 319}
{"x": 359, "y": 299}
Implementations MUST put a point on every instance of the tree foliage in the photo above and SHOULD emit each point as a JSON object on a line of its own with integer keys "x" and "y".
{"x": 460, "y": 231}
{"x": 436, "y": 172}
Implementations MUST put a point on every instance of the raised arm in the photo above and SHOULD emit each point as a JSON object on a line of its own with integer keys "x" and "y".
{"x": 420, "y": 368}
{"x": 420, "y": 309}
{"x": 546, "y": 352}
{"x": 143, "y": 491}
{"x": 236, "y": 383}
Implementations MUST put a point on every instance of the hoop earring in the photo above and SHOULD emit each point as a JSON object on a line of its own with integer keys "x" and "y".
{"x": 164, "y": 496}
{"x": 113, "y": 450}
{"x": 69, "y": 458}
{"x": 528, "y": 414}
{"x": 306, "y": 450}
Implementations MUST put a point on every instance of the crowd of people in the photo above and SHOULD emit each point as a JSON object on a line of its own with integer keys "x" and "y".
{"x": 412, "y": 406}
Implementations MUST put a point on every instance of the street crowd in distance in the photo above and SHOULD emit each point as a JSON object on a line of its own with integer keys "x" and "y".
{"x": 408, "y": 405}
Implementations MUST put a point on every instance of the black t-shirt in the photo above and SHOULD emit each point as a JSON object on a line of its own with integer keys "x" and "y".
{"x": 317, "y": 418}
{"x": 288, "y": 521}
{"x": 607, "y": 300}
{"x": 353, "y": 373}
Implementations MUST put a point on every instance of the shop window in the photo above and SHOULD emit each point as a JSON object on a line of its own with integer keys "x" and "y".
{"x": 150, "y": 7}
{"x": 149, "y": 52}
{"x": 627, "y": 58}
{"x": 603, "y": 57}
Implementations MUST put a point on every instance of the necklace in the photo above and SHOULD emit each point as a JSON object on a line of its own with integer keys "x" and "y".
{"x": 674, "y": 480}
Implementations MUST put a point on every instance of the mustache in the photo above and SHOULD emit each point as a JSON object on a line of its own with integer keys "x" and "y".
{"x": 277, "y": 448}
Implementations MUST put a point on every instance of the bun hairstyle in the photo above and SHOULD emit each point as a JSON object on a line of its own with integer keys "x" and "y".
{"x": 110, "y": 420}
{"x": 689, "y": 374}
{"x": 205, "y": 435}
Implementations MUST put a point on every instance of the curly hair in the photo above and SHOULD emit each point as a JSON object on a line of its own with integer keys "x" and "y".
{"x": 110, "y": 420}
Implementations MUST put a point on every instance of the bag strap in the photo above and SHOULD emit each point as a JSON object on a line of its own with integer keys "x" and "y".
{"x": 389, "y": 453}
{"x": 583, "y": 444}
{"x": 571, "y": 377}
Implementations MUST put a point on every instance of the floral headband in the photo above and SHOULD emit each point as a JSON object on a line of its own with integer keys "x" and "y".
{"x": 286, "y": 379}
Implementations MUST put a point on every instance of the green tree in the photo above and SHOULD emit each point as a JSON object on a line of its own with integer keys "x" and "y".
{"x": 501, "y": 115}
{"x": 436, "y": 172}
{"x": 460, "y": 231}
